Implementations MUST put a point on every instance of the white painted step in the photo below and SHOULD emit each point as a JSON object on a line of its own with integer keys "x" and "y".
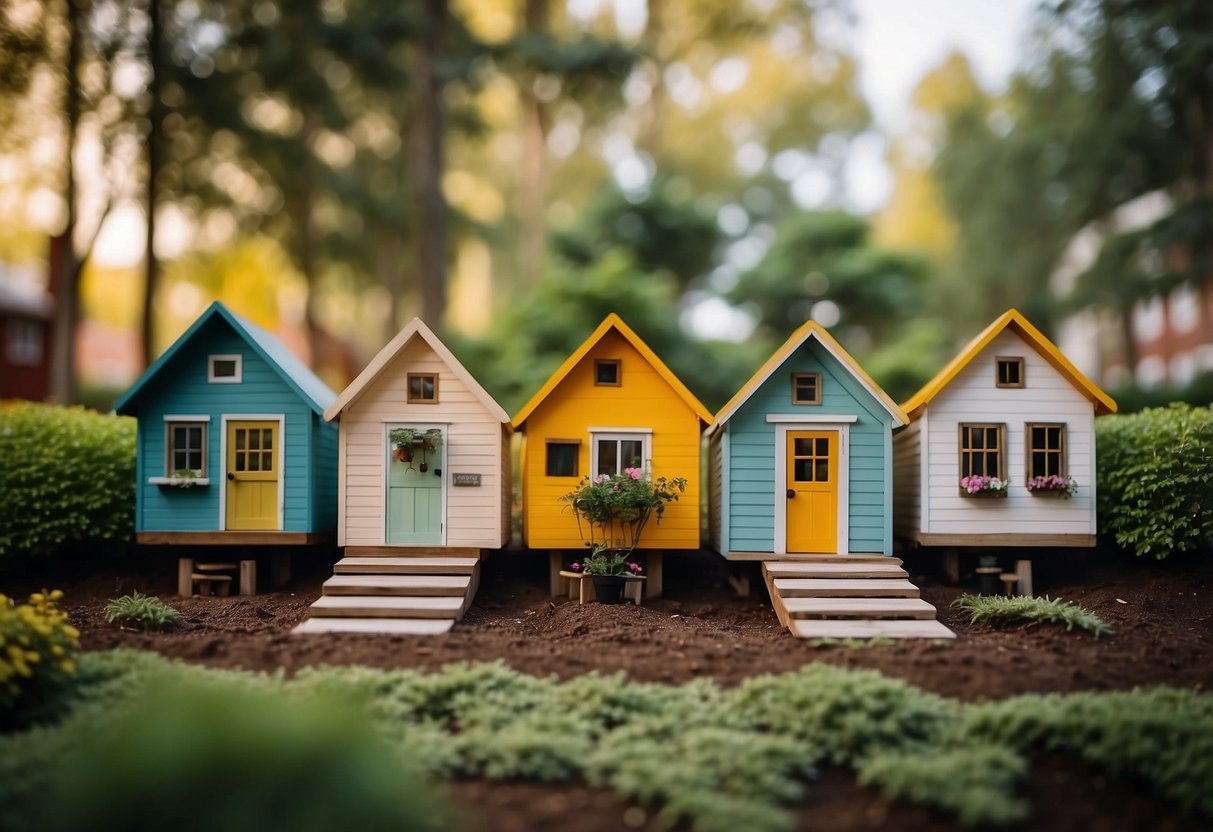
{"x": 397, "y": 585}
{"x": 859, "y": 608}
{"x": 831, "y": 569}
{"x": 802, "y": 628}
{"x": 383, "y": 626}
{"x": 407, "y": 566}
{"x": 388, "y": 606}
{"x": 845, "y": 588}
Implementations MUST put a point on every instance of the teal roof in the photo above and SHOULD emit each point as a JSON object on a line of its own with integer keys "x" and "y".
{"x": 294, "y": 372}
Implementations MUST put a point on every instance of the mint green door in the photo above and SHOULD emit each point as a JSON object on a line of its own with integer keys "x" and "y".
{"x": 414, "y": 505}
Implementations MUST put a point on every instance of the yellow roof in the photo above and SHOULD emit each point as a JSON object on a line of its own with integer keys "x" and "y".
{"x": 613, "y": 321}
{"x": 809, "y": 329}
{"x": 1035, "y": 338}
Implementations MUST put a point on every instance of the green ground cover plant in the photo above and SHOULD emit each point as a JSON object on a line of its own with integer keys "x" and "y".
{"x": 146, "y": 611}
{"x": 68, "y": 477}
{"x": 1155, "y": 479}
{"x": 1001, "y": 611}
{"x": 716, "y": 758}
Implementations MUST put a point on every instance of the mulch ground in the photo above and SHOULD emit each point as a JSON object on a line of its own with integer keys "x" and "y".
{"x": 1162, "y": 614}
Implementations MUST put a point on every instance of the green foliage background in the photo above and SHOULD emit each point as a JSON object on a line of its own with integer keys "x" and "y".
{"x": 67, "y": 476}
{"x": 1155, "y": 479}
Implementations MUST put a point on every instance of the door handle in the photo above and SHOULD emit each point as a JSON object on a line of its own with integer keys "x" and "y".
{"x": 230, "y": 475}
{"x": 791, "y": 493}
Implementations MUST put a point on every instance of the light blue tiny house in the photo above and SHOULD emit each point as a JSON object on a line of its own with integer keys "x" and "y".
{"x": 801, "y": 458}
{"x": 232, "y": 443}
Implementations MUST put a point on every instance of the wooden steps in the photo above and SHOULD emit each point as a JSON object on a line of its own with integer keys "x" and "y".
{"x": 416, "y": 594}
{"x": 849, "y": 597}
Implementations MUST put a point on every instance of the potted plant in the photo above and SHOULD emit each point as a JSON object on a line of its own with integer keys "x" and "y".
{"x": 612, "y": 511}
{"x": 988, "y": 575}
{"x": 405, "y": 440}
{"x": 1061, "y": 486}
{"x": 609, "y": 570}
{"x": 978, "y": 485}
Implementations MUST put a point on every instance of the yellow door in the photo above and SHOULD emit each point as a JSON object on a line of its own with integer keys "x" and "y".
{"x": 812, "y": 494}
{"x": 253, "y": 463}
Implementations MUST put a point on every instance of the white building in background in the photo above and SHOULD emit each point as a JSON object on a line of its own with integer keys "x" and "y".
{"x": 1172, "y": 333}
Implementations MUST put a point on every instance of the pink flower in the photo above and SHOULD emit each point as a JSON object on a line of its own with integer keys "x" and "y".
{"x": 634, "y": 473}
{"x": 635, "y": 567}
{"x": 599, "y": 479}
{"x": 614, "y": 487}
{"x": 574, "y": 567}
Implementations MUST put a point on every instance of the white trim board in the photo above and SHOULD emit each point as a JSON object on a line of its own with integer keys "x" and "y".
{"x": 812, "y": 418}
{"x": 280, "y": 418}
{"x": 179, "y": 417}
{"x": 236, "y": 378}
{"x": 843, "y": 531}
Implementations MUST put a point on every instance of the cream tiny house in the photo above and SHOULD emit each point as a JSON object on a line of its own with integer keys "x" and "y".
{"x": 1000, "y": 449}
{"x": 424, "y": 453}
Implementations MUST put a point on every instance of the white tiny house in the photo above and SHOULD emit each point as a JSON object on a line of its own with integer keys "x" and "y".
{"x": 424, "y": 453}
{"x": 1000, "y": 448}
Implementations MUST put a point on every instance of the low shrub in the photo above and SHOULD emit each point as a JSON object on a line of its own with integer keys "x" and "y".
{"x": 142, "y": 610}
{"x": 37, "y": 650}
{"x": 1000, "y": 611}
{"x": 1155, "y": 479}
{"x": 67, "y": 476}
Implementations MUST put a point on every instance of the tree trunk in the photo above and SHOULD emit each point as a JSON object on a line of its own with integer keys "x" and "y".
{"x": 151, "y": 265}
{"x": 387, "y": 264}
{"x": 533, "y": 167}
{"x": 428, "y": 164}
{"x": 650, "y": 132}
{"x": 65, "y": 271}
{"x": 305, "y": 243}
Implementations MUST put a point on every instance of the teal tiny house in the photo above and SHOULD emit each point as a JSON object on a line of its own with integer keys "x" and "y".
{"x": 801, "y": 458}
{"x": 232, "y": 443}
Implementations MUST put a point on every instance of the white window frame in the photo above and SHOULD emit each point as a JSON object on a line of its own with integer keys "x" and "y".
{"x": 234, "y": 379}
{"x": 173, "y": 421}
{"x": 645, "y": 435}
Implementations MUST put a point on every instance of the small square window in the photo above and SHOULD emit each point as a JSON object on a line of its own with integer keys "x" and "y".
{"x": 806, "y": 388}
{"x": 423, "y": 388}
{"x": 224, "y": 369}
{"x": 1046, "y": 448}
{"x": 24, "y": 342}
{"x": 1010, "y": 372}
{"x": 562, "y": 457}
{"x": 185, "y": 449}
{"x": 606, "y": 372}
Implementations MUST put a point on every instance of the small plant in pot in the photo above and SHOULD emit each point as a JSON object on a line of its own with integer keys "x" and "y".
{"x": 609, "y": 570}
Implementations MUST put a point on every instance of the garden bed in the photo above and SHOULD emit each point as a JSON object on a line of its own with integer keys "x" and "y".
{"x": 1160, "y": 613}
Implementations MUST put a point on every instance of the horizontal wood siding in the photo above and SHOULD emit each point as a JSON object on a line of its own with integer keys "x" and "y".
{"x": 715, "y": 486}
{"x": 181, "y": 388}
{"x": 642, "y": 400}
{"x": 324, "y": 473}
{"x": 473, "y": 445}
{"x": 1046, "y": 397}
{"x": 752, "y": 455}
{"x": 907, "y": 476}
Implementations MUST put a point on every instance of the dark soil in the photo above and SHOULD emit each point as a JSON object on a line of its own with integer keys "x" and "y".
{"x": 1161, "y": 612}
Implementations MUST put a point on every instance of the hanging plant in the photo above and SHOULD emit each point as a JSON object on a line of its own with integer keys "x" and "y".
{"x": 433, "y": 439}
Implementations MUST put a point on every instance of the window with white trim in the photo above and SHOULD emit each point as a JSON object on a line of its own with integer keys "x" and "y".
{"x": 613, "y": 453}
{"x": 224, "y": 369}
{"x": 23, "y": 342}
{"x": 185, "y": 448}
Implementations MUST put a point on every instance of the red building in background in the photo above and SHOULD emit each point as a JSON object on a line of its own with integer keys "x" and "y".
{"x": 26, "y": 317}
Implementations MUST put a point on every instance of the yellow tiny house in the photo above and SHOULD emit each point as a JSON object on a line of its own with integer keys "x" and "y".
{"x": 613, "y": 404}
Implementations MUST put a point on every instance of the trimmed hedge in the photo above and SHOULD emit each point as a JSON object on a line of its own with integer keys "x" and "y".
{"x": 67, "y": 475}
{"x": 1155, "y": 479}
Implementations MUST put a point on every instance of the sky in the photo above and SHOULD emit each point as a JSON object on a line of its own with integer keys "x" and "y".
{"x": 896, "y": 42}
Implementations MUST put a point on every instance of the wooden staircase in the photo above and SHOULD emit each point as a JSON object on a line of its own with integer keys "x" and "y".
{"x": 415, "y": 594}
{"x": 849, "y": 596}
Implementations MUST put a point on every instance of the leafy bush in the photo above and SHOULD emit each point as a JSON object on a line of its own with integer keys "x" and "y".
{"x": 145, "y": 610}
{"x": 67, "y": 476}
{"x": 37, "y": 649}
{"x": 1155, "y": 478}
{"x": 1000, "y": 611}
{"x": 717, "y": 759}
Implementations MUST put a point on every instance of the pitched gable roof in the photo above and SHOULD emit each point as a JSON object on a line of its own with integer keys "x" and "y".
{"x": 807, "y": 330}
{"x": 414, "y": 329}
{"x": 306, "y": 384}
{"x": 1011, "y": 319}
{"x": 613, "y": 322}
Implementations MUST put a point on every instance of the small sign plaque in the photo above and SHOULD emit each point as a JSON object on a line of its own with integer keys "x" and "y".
{"x": 465, "y": 479}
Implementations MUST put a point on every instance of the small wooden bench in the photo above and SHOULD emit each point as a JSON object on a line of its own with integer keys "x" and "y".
{"x": 205, "y": 582}
{"x": 581, "y": 587}
{"x": 205, "y": 578}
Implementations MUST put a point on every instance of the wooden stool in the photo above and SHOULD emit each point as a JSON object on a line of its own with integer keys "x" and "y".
{"x": 1009, "y": 580}
{"x": 204, "y": 582}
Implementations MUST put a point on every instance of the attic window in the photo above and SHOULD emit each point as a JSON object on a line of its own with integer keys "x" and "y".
{"x": 224, "y": 369}
{"x": 1010, "y": 372}
{"x": 423, "y": 388}
{"x": 561, "y": 458}
{"x": 606, "y": 372}
{"x": 806, "y": 388}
